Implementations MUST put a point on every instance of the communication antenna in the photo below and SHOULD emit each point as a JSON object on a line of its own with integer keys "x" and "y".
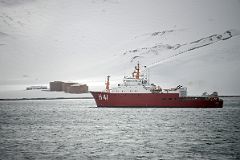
{"x": 146, "y": 74}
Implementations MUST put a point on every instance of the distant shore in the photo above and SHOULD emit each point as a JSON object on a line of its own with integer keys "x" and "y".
{"x": 23, "y": 99}
{"x": 230, "y": 96}
{"x": 58, "y": 98}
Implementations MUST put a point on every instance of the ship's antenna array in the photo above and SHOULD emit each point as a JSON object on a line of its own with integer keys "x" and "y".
{"x": 146, "y": 74}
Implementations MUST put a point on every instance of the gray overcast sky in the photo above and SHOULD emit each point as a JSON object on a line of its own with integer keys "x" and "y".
{"x": 45, "y": 40}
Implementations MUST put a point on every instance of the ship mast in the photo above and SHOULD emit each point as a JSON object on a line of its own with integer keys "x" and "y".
{"x": 107, "y": 84}
{"x": 138, "y": 71}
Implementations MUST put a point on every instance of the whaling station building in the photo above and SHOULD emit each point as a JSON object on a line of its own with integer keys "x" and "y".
{"x": 68, "y": 87}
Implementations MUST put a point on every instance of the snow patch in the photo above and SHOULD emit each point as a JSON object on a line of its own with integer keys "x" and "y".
{"x": 2, "y": 35}
{"x": 165, "y": 51}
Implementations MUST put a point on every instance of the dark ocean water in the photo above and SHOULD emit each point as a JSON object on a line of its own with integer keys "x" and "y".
{"x": 76, "y": 129}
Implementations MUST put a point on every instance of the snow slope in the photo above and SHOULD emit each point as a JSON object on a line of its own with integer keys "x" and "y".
{"x": 165, "y": 51}
{"x": 192, "y": 43}
{"x": 209, "y": 63}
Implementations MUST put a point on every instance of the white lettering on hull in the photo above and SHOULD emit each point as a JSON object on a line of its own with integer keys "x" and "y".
{"x": 103, "y": 97}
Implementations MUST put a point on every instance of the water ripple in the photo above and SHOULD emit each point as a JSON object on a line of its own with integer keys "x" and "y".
{"x": 76, "y": 129}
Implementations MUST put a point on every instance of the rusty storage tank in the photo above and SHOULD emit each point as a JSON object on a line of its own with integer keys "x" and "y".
{"x": 78, "y": 88}
{"x": 56, "y": 86}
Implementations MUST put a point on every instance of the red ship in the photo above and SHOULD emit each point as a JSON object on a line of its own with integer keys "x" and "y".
{"x": 136, "y": 91}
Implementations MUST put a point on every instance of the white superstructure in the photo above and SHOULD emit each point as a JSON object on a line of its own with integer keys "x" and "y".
{"x": 131, "y": 84}
{"x": 140, "y": 84}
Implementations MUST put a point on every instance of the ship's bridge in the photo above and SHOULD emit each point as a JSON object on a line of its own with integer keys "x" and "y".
{"x": 129, "y": 81}
{"x": 131, "y": 84}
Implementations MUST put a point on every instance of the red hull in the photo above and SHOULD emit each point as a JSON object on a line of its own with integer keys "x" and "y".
{"x": 161, "y": 100}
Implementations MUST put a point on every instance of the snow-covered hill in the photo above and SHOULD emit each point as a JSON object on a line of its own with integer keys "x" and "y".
{"x": 163, "y": 51}
{"x": 209, "y": 63}
{"x": 193, "y": 43}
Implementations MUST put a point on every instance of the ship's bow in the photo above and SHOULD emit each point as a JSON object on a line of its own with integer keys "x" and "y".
{"x": 98, "y": 97}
